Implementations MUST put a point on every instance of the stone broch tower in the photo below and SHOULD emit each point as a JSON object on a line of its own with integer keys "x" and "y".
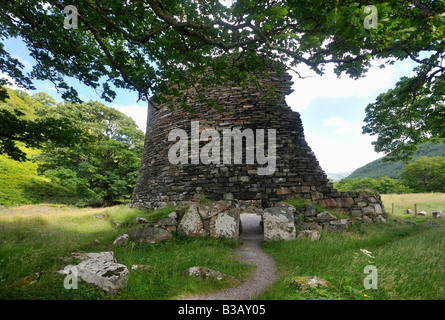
{"x": 297, "y": 172}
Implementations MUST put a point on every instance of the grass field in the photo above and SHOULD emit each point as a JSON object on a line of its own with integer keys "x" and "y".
{"x": 407, "y": 255}
{"x": 34, "y": 239}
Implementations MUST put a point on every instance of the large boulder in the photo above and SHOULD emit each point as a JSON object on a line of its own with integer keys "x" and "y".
{"x": 210, "y": 209}
{"x": 107, "y": 275}
{"x": 99, "y": 269}
{"x": 279, "y": 223}
{"x": 149, "y": 234}
{"x": 225, "y": 224}
{"x": 191, "y": 223}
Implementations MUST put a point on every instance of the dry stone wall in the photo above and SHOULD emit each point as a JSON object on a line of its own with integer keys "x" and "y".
{"x": 296, "y": 173}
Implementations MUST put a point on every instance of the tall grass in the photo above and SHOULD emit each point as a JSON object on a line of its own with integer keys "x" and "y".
{"x": 36, "y": 238}
{"x": 428, "y": 202}
{"x": 407, "y": 254}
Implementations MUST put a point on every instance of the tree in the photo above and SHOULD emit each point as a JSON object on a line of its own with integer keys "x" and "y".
{"x": 160, "y": 47}
{"x": 20, "y": 125}
{"x": 426, "y": 174}
{"x": 102, "y": 166}
{"x": 383, "y": 185}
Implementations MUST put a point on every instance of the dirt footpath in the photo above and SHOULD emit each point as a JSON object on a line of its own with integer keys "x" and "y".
{"x": 250, "y": 251}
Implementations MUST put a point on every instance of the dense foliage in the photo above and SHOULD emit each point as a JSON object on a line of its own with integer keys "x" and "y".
{"x": 98, "y": 167}
{"x": 19, "y": 125}
{"x": 426, "y": 174}
{"x": 163, "y": 46}
{"x": 102, "y": 166}
{"x": 382, "y": 185}
{"x": 392, "y": 169}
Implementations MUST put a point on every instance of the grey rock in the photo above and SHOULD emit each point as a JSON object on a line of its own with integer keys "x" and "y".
{"x": 141, "y": 220}
{"x": 149, "y": 234}
{"x": 278, "y": 224}
{"x": 437, "y": 214}
{"x": 337, "y": 226}
{"x": 380, "y": 218}
{"x": 168, "y": 222}
{"x": 210, "y": 209}
{"x": 204, "y": 273}
{"x": 226, "y": 224}
{"x": 310, "y": 226}
{"x": 309, "y": 211}
{"x": 99, "y": 269}
{"x": 191, "y": 223}
{"x": 326, "y": 216}
{"x": 312, "y": 235}
{"x": 173, "y": 215}
{"x": 107, "y": 275}
{"x": 121, "y": 240}
{"x": 303, "y": 283}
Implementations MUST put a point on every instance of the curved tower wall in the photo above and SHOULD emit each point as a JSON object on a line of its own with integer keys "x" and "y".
{"x": 294, "y": 171}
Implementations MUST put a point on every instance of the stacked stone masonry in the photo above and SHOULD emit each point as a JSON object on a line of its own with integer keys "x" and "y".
{"x": 223, "y": 219}
{"x": 297, "y": 172}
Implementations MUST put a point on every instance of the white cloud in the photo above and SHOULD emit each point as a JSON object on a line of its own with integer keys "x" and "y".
{"x": 341, "y": 125}
{"x": 13, "y": 84}
{"x": 342, "y": 146}
{"x": 137, "y": 112}
{"x": 329, "y": 85}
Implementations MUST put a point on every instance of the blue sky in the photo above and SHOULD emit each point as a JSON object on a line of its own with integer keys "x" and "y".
{"x": 331, "y": 108}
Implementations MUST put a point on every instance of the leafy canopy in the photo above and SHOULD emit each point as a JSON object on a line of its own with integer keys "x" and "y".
{"x": 103, "y": 164}
{"x": 165, "y": 46}
{"x": 19, "y": 124}
{"x": 426, "y": 174}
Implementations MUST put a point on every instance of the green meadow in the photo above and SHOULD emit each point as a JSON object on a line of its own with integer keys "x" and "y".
{"x": 407, "y": 254}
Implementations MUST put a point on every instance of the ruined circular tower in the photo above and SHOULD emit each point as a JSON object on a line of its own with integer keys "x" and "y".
{"x": 188, "y": 155}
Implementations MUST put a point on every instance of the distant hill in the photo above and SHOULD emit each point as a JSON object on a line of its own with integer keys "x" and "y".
{"x": 338, "y": 175}
{"x": 378, "y": 168}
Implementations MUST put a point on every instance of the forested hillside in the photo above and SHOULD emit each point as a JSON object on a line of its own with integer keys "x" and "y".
{"x": 378, "y": 168}
{"x": 98, "y": 167}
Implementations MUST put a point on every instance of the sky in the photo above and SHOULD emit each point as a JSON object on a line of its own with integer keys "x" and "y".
{"x": 332, "y": 109}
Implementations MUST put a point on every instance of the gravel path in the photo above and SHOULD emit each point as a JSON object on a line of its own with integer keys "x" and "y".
{"x": 250, "y": 251}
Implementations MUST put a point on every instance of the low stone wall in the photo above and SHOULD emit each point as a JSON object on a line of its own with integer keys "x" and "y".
{"x": 362, "y": 206}
{"x": 280, "y": 222}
